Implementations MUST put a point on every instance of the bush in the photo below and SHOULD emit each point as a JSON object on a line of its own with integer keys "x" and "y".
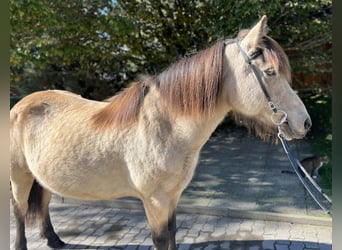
{"x": 319, "y": 105}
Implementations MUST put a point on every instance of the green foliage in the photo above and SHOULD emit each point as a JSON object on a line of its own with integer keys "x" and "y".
{"x": 95, "y": 47}
{"x": 303, "y": 28}
{"x": 319, "y": 105}
{"x": 70, "y": 45}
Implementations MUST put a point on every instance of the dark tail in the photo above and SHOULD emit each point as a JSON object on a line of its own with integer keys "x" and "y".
{"x": 34, "y": 203}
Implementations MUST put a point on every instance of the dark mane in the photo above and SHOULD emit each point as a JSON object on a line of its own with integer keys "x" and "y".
{"x": 192, "y": 85}
{"x": 189, "y": 87}
{"x": 122, "y": 108}
{"x": 276, "y": 55}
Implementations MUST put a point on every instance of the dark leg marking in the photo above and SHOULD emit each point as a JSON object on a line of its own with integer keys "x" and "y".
{"x": 20, "y": 241}
{"x": 172, "y": 226}
{"x": 48, "y": 232}
{"x": 161, "y": 239}
{"x": 46, "y": 229}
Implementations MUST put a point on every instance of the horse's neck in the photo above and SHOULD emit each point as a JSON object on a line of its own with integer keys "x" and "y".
{"x": 196, "y": 132}
{"x": 193, "y": 131}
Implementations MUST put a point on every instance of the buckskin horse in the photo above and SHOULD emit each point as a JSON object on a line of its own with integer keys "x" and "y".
{"x": 145, "y": 141}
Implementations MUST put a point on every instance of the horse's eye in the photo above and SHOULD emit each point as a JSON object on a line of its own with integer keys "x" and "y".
{"x": 270, "y": 72}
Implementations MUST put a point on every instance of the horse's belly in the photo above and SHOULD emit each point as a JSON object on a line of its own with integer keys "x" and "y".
{"x": 95, "y": 194}
{"x": 80, "y": 182}
{"x": 93, "y": 191}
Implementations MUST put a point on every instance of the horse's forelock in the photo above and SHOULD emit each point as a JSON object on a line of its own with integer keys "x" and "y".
{"x": 273, "y": 53}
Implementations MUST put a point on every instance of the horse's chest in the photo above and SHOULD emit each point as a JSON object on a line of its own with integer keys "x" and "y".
{"x": 170, "y": 173}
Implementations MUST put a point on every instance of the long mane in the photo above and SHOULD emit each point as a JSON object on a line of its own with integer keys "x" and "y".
{"x": 188, "y": 87}
{"x": 192, "y": 85}
{"x": 123, "y": 108}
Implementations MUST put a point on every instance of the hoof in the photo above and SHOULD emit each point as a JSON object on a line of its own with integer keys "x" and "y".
{"x": 20, "y": 245}
{"x": 57, "y": 243}
{"x": 20, "y": 248}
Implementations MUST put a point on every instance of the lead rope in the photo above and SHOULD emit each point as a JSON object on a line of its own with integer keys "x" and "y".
{"x": 283, "y": 116}
{"x": 295, "y": 164}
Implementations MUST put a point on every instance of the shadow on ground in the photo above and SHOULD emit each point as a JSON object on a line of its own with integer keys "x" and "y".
{"x": 239, "y": 171}
{"x": 221, "y": 245}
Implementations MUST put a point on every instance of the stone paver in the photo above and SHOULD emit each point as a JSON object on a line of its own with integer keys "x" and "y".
{"x": 94, "y": 227}
{"x": 241, "y": 172}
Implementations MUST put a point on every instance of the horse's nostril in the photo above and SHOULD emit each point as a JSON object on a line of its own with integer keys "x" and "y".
{"x": 307, "y": 124}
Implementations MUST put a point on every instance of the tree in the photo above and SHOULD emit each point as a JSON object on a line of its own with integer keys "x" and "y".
{"x": 96, "y": 47}
{"x": 303, "y": 28}
{"x": 77, "y": 45}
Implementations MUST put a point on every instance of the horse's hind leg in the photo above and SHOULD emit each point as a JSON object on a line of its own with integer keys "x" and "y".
{"x": 46, "y": 228}
{"x": 29, "y": 201}
{"x": 21, "y": 186}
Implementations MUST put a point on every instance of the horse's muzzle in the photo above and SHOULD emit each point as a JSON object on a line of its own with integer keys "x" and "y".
{"x": 307, "y": 124}
{"x": 290, "y": 132}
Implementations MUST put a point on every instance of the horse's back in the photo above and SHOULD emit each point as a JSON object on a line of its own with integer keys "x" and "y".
{"x": 36, "y": 104}
{"x": 40, "y": 106}
{"x": 45, "y": 112}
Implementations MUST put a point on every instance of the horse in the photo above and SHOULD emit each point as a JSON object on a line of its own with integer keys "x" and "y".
{"x": 145, "y": 141}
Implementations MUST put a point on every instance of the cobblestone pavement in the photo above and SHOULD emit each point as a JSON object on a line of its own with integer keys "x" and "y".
{"x": 96, "y": 227}
{"x": 242, "y": 172}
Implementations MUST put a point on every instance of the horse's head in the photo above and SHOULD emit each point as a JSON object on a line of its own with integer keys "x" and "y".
{"x": 255, "y": 60}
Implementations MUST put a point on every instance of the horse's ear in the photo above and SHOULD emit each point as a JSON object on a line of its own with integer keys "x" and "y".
{"x": 259, "y": 30}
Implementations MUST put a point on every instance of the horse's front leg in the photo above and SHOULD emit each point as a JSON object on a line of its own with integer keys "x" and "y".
{"x": 161, "y": 216}
{"x": 172, "y": 227}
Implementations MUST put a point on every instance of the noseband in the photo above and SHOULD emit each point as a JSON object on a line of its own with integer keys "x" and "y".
{"x": 283, "y": 117}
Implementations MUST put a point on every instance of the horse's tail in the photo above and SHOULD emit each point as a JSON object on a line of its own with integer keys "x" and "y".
{"x": 34, "y": 203}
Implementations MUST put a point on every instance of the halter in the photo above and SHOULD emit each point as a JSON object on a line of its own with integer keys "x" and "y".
{"x": 292, "y": 158}
{"x": 248, "y": 60}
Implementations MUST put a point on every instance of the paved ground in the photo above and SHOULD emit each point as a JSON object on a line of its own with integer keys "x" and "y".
{"x": 241, "y": 172}
{"x": 95, "y": 227}
{"x": 238, "y": 199}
